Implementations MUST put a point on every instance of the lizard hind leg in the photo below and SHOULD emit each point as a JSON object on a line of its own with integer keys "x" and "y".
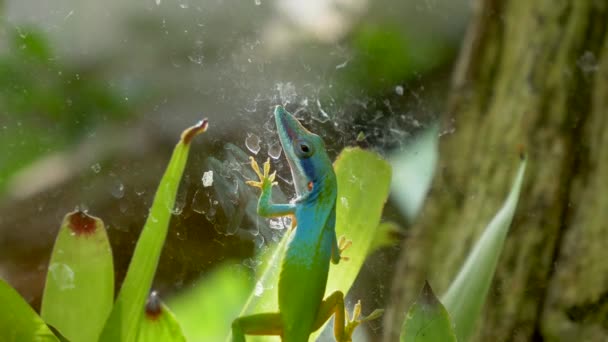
{"x": 343, "y": 326}
{"x": 258, "y": 324}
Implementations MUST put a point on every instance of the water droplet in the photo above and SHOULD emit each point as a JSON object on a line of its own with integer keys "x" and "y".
{"x": 118, "y": 189}
{"x": 287, "y": 221}
{"x": 184, "y": 6}
{"x": 287, "y": 92}
{"x": 157, "y": 2}
{"x": 276, "y": 223}
{"x": 399, "y": 90}
{"x": 207, "y": 178}
{"x": 253, "y": 143}
{"x": 196, "y": 59}
{"x": 344, "y": 202}
{"x": 259, "y": 289}
{"x": 587, "y": 62}
{"x": 96, "y": 167}
{"x": 180, "y": 201}
{"x": 360, "y": 136}
{"x": 63, "y": 275}
{"x": 259, "y": 241}
{"x": 274, "y": 150}
{"x": 200, "y": 202}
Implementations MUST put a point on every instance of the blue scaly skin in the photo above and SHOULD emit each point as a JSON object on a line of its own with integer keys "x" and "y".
{"x": 305, "y": 265}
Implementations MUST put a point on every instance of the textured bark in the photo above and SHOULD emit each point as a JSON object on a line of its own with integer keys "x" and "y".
{"x": 531, "y": 74}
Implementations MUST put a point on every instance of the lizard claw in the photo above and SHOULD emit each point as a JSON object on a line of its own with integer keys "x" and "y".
{"x": 344, "y": 244}
{"x": 264, "y": 176}
{"x": 357, "y": 319}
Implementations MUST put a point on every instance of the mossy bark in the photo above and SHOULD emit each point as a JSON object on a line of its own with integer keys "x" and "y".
{"x": 531, "y": 74}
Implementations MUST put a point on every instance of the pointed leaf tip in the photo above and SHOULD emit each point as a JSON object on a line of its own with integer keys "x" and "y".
{"x": 193, "y": 131}
{"x": 81, "y": 223}
{"x": 427, "y": 320}
{"x": 427, "y": 296}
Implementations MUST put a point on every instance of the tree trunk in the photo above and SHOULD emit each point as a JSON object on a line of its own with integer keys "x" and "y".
{"x": 531, "y": 74}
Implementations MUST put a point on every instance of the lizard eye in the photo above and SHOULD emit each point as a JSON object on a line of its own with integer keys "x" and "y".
{"x": 303, "y": 149}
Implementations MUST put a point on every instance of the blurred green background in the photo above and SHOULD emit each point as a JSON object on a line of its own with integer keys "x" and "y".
{"x": 94, "y": 94}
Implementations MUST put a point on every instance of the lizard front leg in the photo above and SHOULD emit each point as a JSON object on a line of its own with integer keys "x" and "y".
{"x": 265, "y": 206}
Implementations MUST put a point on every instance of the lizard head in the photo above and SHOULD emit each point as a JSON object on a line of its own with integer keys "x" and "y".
{"x": 305, "y": 151}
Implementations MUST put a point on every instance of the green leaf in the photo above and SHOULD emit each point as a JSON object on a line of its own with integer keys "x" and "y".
{"x": 127, "y": 312}
{"x": 466, "y": 295}
{"x": 18, "y": 321}
{"x": 205, "y": 312}
{"x": 427, "y": 320}
{"x": 158, "y": 323}
{"x": 363, "y": 186}
{"x": 364, "y": 179}
{"x": 79, "y": 288}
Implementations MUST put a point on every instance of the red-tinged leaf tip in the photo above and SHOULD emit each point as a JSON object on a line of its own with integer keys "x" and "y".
{"x": 153, "y": 306}
{"x": 522, "y": 151}
{"x": 193, "y": 131}
{"x": 81, "y": 223}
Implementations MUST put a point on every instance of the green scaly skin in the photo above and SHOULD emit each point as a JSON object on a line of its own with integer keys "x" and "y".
{"x": 305, "y": 266}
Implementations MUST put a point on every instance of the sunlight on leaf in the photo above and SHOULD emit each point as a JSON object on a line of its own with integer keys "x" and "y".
{"x": 79, "y": 288}
{"x": 18, "y": 321}
{"x": 427, "y": 320}
{"x": 363, "y": 185}
{"x": 465, "y": 297}
{"x": 206, "y": 310}
{"x": 127, "y": 312}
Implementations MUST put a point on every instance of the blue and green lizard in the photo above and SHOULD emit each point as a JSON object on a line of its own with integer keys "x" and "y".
{"x": 305, "y": 265}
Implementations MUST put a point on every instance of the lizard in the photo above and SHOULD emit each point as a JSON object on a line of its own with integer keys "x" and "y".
{"x": 313, "y": 244}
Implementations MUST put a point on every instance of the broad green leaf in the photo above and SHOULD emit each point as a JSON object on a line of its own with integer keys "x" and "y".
{"x": 128, "y": 309}
{"x": 18, "y": 321}
{"x": 364, "y": 179}
{"x": 465, "y": 297}
{"x": 427, "y": 320}
{"x": 158, "y": 323}
{"x": 363, "y": 185}
{"x": 205, "y": 312}
{"x": 79, "y": 288}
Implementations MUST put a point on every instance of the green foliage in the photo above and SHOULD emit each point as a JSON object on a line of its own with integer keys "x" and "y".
{"x": 18, "y": 321}
{"x": 363, "y": 185}
{"x": 79, "y": 288}
{"x": 205, "y": 312}
{"x": 385, "y": 56}
{"x": 55, "y": 102}
{"x": 467, "y": 293}
{"x": 427, "y": 320}
{"x": 128, "y": 309}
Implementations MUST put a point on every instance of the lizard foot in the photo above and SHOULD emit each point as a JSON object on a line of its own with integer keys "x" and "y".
{"x": 343, "y": 244}
{"x": 357, "y": 319}
{"x": 266, "y": 179}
